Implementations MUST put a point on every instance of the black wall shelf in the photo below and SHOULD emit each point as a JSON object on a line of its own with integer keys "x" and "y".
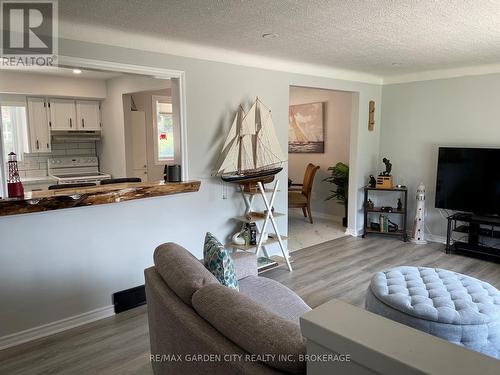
{"x": 401, "y": 232}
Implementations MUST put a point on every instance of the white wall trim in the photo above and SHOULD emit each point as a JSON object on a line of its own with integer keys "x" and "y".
{"x": 55, "y": 327}
{"x": 430, "y": 75}
{"x": 159, "y": 73}
{"x": 352, "y": 232}
{"x": 435, "y": 238}
{"x": 103, "y": 35}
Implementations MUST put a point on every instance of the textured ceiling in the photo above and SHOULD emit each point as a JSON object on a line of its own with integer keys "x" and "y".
{"x": 384, "y": 37}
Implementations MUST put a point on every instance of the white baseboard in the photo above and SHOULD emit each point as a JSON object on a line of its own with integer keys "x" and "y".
{"x": 352, "y": 232}
{"x": 55, "y": 327}
{"x": 435, "y": 238}
{"x": 430, "y": 237}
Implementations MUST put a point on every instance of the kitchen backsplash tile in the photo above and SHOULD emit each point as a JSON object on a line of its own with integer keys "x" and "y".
{"x": 35, "y": 165}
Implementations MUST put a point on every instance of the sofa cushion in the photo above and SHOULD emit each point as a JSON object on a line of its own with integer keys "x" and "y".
{"x": 274, "y": 296}
{"x": 253, "y": 327}
{"x": 218, "y": 261}
{"x": 183, "y": 273}
{"x": 245, "y": 264}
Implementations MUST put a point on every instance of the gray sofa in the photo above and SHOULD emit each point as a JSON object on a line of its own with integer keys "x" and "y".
{"x": 196, "y": 325}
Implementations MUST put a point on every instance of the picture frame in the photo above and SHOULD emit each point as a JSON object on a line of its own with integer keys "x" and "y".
{"x": 306, "y": 133}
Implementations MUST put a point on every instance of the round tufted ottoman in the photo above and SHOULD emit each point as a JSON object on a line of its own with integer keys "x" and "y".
{"x": 452, "y": 306}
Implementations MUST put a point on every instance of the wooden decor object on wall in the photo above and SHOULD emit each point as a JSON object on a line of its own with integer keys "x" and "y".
{"x": 371, "y": 116}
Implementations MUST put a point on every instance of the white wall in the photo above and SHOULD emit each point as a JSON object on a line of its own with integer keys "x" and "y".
{"x": 419, "y": 117}
{"x": 15, "y": 82}
{"x": 112, "y": 146}
{"x": 337, "y": 125}
{"x": 58, "y": 264}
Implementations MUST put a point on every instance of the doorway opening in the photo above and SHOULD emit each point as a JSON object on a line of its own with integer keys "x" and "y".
{"x": 74, "y": 116}
{"x": 152, "y": 132}
{"x": 320, "y": 122}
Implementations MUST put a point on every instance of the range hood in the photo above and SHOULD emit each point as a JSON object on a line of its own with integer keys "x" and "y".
{"x": 75, "y": 136}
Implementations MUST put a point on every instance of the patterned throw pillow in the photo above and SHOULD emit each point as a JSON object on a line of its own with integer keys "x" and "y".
{"x": 219, "y": 262}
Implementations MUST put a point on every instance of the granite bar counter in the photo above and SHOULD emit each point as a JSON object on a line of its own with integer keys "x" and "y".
{"x": 49, "y": 200}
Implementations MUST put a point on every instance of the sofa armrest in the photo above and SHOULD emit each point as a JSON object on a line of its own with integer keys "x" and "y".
{"x": 245, "y": 264}
{"x": 377, "y": 345}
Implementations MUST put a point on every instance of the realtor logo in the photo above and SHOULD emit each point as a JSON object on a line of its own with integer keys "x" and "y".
{"x": 29, "y": 33}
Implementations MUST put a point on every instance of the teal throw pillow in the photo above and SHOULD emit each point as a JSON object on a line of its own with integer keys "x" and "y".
{"x": 218, "y": 261}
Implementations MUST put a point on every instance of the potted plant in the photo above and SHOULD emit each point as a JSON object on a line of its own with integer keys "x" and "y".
{"x": 340, "y": 178}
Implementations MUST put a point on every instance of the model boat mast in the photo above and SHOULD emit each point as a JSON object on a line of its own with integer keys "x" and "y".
{"x": 251, "y": 149}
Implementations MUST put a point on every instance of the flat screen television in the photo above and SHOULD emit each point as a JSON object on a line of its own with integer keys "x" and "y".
{"x": 468, "y": 179}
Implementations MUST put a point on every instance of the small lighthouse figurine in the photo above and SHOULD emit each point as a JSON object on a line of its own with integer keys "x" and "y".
{"x": 14, "y": 184}
{"x": 418, "y": 225}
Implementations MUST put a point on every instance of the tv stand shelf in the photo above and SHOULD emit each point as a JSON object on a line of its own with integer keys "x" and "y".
{"x": 476, "y": 228}
{"x": 483, "y": 232}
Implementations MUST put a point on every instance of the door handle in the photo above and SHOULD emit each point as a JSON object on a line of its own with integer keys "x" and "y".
{"x": 70, "y": 123}
{"x": 37, "y": 145}
{"x": 83, "y": 122}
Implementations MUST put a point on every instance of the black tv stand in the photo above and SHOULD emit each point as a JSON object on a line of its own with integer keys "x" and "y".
{"x": 475, "y": 228}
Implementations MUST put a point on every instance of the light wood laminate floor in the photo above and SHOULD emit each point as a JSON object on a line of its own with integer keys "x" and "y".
{"x": 338, "y": 269}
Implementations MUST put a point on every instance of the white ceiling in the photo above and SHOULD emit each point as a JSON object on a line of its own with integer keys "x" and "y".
{"x": 384, "y": 37}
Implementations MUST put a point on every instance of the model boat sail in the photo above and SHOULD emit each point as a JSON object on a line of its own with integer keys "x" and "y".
{"x": 251, "y": 151}
{"x": 295, "y": 133}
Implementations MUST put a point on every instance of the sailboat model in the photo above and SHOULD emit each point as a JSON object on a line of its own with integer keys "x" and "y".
{"x": 251, "y": 152}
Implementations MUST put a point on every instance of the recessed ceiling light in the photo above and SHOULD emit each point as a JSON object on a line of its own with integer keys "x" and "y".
{"x": 77, "y": 71}
{"x": 270, "y": 35}
{"x": 396, "y": 64}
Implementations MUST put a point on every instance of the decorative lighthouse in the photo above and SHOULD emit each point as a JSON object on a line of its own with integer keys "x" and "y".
{"x": 418, "y": 225}
{"x": 14, "y": 184}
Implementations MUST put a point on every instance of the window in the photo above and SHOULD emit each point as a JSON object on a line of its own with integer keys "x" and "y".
{"x": 164, "y": 130}
{"x": 14, "y": 130}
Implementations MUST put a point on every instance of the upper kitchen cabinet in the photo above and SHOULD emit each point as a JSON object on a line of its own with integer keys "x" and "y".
{"x": 63, "y": 114}
{"x": 88, "y": 115}
{"x": 38, "y": 125}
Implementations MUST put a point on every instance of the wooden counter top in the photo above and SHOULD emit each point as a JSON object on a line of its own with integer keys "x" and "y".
{"x": 48, "y": 200}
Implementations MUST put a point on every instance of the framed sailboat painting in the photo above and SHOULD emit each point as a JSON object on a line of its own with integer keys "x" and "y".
{"x": 306, "y": 131}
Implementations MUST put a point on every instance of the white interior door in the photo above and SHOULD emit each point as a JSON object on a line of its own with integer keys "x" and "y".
{"x": 139, "y": 151}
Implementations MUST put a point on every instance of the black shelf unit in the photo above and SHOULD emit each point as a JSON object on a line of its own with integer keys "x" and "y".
{"x": 402, "y": 232}
{"x": 474, "y": 227}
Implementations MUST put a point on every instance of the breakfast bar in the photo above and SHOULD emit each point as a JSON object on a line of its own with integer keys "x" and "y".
{"x": 48, "y": 200}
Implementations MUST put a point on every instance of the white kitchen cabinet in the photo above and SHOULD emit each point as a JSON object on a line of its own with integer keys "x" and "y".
{"x": 38, "y": 125}
{"x": 62, "y": 114}
{"x": 88, "y": 115}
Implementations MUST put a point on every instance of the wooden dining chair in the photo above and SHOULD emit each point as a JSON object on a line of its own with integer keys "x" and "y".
{"x": 299, "y": 195}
